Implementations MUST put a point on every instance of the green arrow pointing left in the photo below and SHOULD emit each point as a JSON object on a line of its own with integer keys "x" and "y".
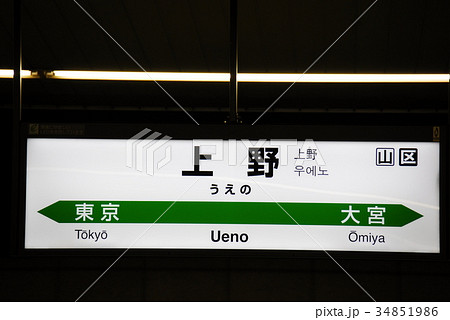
{"x": 205, "y": 212}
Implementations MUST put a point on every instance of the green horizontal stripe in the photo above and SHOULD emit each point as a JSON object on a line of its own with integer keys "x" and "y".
{"x": 203, "y": 212}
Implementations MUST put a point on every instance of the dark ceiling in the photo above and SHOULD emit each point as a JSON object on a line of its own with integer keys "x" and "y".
{"x": 396, "y": 36}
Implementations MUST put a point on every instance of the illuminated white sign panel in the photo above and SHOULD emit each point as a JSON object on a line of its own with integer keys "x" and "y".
{"x": 232, "y": 194}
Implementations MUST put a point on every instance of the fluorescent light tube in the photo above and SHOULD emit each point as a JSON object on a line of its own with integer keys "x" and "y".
{"x": 341, "y": 78}
{"x": 140, "y": 76}
{"x": 9, "y": 73}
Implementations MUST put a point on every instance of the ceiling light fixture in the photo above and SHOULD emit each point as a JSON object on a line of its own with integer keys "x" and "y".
{"x": 250, "y": 77}
{"x": 225, "y": 77}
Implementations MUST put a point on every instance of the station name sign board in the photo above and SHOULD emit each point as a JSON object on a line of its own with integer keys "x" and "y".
{"x": 153, "y": 191}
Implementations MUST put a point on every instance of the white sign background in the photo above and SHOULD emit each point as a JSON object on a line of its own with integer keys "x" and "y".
{"x": 95, "y": 169}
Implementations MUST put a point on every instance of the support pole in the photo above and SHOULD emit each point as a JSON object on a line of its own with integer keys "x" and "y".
{"x": 233, "y": 89}
{"x": 17, "y": 80}
{"x": 16, "y": 112}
